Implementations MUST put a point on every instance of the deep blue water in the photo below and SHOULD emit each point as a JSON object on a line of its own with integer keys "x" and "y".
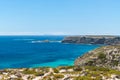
{"x": 24, "y": 51}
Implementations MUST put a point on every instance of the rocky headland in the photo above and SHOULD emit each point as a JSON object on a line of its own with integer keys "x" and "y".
{"x": 93, "y": 39}
{"x": 106, "y": 56}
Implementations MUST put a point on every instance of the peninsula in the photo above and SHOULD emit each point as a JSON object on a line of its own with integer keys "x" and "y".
{"x": 93, "y": 39}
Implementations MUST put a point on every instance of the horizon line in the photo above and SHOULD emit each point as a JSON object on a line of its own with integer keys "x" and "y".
{"x": 57, "y": 35}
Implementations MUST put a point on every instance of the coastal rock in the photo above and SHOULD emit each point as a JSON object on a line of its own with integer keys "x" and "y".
{"x": 90, "y": 39}
{"x": 106, "y": 56}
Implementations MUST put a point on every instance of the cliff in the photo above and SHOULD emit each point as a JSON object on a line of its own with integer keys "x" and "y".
{"x": 92, "y": 39}
{"x": 107, "y": 56}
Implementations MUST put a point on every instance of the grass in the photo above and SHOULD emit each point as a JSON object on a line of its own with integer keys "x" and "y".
{"x": 94, "y": 68}
{"x": 55, "y": 70}
{"x": 27, "y": 71}
{"x": 58, "y": 76}
{"x": 83, "y": 78}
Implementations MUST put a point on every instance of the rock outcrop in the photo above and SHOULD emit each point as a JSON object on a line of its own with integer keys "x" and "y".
{"x": 89, "y": 39}
{"x": 106, "y": 56}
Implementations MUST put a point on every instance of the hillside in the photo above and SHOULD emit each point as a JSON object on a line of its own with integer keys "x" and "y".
{"x": 106, "y": 56}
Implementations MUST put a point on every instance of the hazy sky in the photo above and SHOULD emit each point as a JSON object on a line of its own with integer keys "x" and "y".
{"x": 78, "y": 17}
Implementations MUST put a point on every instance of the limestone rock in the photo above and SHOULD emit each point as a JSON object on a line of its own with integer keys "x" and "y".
{"x": 107, "y": 56}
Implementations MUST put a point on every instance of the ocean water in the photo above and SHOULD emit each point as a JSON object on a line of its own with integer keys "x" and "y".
{"x": 30, "y": 51}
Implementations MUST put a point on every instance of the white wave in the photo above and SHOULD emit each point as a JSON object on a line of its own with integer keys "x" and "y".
{"x": 36, "y": 42}
{"x": 43, "y": 41}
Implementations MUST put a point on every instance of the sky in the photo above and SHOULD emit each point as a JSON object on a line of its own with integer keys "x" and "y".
{"x": 59, "y": 17}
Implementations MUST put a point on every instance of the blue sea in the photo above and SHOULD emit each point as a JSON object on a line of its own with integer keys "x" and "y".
{"x": 31, "y": 51}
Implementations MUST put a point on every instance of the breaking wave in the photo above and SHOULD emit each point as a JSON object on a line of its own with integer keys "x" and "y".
{"x": 40, "y": 41}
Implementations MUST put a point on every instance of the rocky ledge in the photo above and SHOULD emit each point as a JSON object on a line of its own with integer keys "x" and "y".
{"x": 106, "y": 56}
{"x": 93, "y": 39}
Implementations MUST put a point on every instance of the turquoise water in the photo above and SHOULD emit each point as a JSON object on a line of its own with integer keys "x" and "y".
{"x": 30, "y": 51}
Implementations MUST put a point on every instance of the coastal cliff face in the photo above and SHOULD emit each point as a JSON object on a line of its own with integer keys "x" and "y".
{"x": 107, "y": 40}
{"x": 107, "y": 56}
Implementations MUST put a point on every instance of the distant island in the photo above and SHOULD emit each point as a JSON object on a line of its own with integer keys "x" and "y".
{"x": 102, "y": 63}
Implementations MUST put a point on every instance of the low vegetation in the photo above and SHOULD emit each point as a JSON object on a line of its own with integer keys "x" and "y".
{"x": 69, "y": 73}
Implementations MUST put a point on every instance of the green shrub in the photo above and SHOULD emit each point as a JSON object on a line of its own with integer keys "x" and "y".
{"x": 47, "y": 78}
{"x": 58, "y": 76}
{"x": 114, "y": 72}
{"x": 45, "y": 69}
{"x": 29, "y": 71}
{"x": 94, "y": 68}
{"x": 77, "y": 68}
{"x": 90, "y": 63}
{"x": 115, "y": 62}
{"x": 103, "y": 69}
{"x": 101, "y": 56}
{"x": 98, "y": 78}
{"x": 83, "y": 78}
{"x": 55, "y": 70}
{"x": 91, "y": 68}
{"x": 62, "y": 67}
{"x": 69, "y": 67}
{"x": 18, "y": 79}
{"x": 39, "y": 74}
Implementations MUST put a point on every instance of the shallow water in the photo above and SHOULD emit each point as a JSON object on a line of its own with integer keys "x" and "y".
{"x": 29, "y": 51}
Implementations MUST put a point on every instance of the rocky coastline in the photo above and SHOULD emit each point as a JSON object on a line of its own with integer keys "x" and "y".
{"x": 93, "y": 39}
{"x": 106, "y": 56}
